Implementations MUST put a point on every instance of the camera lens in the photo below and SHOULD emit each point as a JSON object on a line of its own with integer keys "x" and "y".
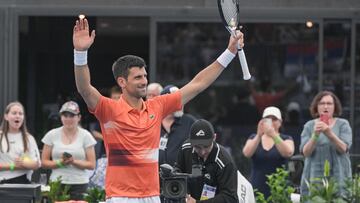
{"x": 176, "y": 188}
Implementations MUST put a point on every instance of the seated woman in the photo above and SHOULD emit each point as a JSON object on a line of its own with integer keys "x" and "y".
{"x": 268, "y": 148}
{"x": 69, "y": 151}
{"x": 19, "y": 154}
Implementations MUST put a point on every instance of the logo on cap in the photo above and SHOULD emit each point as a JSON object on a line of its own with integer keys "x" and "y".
{"x": 200, "y": 133}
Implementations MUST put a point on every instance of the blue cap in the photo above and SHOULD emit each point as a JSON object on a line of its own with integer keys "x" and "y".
{"x": 169, "y": 89}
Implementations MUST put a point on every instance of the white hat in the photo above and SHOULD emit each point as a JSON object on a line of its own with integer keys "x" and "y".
{"x": 272, "y": 111}
{"x": 293, "y": 106}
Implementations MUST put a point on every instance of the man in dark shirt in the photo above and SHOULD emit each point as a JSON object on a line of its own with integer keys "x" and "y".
{"x": 217, "y": 179}
{"x": 175, "y": 129}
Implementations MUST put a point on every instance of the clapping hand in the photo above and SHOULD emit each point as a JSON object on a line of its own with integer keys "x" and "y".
{"x": 321, "y": 126}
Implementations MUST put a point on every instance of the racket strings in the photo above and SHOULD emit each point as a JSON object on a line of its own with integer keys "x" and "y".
{"x": 230, "y": 12}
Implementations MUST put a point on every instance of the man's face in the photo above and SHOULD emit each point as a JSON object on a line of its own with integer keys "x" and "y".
{"x": 203, "y": 151}
{"x": 136, "y": 82}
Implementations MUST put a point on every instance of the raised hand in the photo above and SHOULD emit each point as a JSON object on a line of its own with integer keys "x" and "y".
{"x": 321, "y": 126}
{"x": 260, "y": 128}
{"x": 81, "y": 38}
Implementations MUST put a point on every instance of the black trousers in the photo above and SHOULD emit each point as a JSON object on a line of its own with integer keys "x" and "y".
{"x": 17, "y": 180}
{"x": 77, "y": 191}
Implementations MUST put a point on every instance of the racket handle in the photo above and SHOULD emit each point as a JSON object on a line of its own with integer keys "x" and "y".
{"x": 244, "y": 65}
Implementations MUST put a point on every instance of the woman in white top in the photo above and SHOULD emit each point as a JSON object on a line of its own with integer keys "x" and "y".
{"x": 69, "y": 151}
{"x": 19, "y": 154}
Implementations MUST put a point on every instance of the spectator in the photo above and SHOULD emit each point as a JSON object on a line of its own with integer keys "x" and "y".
{"x": 19, "y": 154}
{"x": 153, "y": 90}
{"x": 217, "y": 179}
{"x": 268, "y": 148}
{"x": 69, "y": 150}
{"x": 326, "y": 137}
{"x": 267, "y": 96}
{"x": 175, "y": 129}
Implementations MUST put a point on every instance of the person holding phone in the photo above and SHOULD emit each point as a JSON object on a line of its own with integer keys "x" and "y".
{"x": 69, "y": 151}
{"x": 326, "y": 137}
{"x": 268, "y": 149}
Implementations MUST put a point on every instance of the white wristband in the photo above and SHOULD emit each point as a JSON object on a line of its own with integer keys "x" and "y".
{"x": 225, "y": 58}
{"x": 80, "y": 58}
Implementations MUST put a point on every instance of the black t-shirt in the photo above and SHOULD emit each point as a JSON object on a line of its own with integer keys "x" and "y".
{"x": 265, "y": 163}
{"x": 179, "y": 132}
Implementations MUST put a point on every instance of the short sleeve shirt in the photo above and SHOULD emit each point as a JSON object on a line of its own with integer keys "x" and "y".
{"x": 340, "y": 164}
{"x": 131, "y": 140}
{"x": 265, "y": 162}
{"x": 69, "y": 174}
{"x": 17, "y": 151}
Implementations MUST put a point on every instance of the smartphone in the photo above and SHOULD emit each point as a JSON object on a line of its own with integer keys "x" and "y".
{"x": 268, "y": 121}
{"x": 324, "y": 118}
{"x": 67, "y": 155}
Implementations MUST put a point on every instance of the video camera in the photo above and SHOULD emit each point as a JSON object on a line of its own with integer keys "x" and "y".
{"x": 174, "y": 184}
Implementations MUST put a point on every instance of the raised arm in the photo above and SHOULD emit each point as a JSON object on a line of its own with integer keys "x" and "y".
{"x": 208, "y": 75}
{"x": 252, "y": 144}
{"x": 82, "y": 42}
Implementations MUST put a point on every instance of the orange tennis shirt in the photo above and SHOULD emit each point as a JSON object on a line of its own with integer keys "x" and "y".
{"x": 131, "y": 140}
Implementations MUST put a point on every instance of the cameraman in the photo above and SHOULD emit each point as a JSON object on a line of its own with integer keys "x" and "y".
{"x": 214, "y": 174}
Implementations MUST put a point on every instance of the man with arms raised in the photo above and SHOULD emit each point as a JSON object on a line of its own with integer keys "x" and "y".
{"x": 131, "y": 126}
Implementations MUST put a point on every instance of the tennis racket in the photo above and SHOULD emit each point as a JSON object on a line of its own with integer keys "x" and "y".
{"x": 229, "y": 13}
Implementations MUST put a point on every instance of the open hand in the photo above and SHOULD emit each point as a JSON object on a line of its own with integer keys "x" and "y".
{"x": 260, "y": 128}
{"x": 81, "y": 38}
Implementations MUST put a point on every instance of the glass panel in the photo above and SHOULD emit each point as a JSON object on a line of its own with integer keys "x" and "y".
{"x": 356, "y": 125}
{"x": 277, "y": 54}
{"x": 337, "y": 36}
{"x": 46, "y": 62}
{"x": 282, "y": 59}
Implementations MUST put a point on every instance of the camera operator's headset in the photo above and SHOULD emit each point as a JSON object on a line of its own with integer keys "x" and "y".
{"x": 245, "y": 190}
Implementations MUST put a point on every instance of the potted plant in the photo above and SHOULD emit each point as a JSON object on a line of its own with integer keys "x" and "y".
{"x": 57, "y": 192}
{"x": 280, "y": 189}
{"x": 95, "y": 195}
{"x": 324, "y": 189}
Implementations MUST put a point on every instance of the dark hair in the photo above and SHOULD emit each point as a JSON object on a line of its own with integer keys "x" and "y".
{"x": 315, "y": 102}
{"x": 5, "y": 128}
{"x": 115, "y": 89}
{"x": 123, "y": 64}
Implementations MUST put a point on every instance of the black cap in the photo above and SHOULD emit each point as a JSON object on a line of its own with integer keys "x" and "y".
{"x": 169, "y": 89}
{"x": 201, "y": 133}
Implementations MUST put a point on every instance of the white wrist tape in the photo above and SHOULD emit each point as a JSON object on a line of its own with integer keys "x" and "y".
{"x": 225, "y": 58}
{"x": 80, "y": 58}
